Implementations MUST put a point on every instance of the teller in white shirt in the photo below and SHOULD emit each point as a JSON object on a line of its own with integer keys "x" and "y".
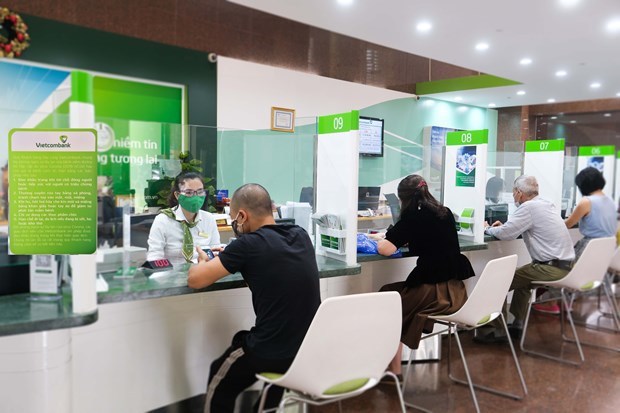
{"x": 177, "y": 231}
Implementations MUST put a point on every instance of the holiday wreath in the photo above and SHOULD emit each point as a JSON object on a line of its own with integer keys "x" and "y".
{"x": 14, "y": 37}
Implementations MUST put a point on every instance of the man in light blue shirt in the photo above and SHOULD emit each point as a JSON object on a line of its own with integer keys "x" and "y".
{"x": 547, "y": 240}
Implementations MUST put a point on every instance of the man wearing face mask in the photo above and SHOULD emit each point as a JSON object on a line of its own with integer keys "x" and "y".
{"x": 546, "y": 239}
{"x": 279, "y": 266}
{"x": 177, "y": 231}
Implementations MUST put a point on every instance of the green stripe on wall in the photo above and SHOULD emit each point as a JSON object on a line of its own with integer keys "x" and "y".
{"x": 462, "y": 83}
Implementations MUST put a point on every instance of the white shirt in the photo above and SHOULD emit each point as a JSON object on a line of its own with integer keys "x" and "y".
{"x": 544, "y": 232}
{"x": 166, "y": 236}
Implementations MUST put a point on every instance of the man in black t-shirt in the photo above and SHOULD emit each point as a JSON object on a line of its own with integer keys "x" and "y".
{"x": 279, "y": 266}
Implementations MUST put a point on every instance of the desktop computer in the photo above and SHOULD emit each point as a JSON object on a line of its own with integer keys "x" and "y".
{"x": 368, "y": 198}
{"x": 496, "y": 212}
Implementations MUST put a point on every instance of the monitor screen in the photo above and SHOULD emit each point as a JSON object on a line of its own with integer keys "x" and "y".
{"x": 371, "y": 136}
{"x": 368, "y": 198}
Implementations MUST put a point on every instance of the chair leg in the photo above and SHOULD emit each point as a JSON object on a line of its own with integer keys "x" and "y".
{"x": 263, "y": 397}
{"x": 402, "y": 392}
{"x": 401, "y": 400}
{"x": 469, "y": 382}
{"x": 516, "y": 360}
{"x": 567, "y": 306}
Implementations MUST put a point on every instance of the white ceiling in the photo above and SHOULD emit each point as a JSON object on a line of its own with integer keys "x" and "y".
{"x": 568, "y": 35}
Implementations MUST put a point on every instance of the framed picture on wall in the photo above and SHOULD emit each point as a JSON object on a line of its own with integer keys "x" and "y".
{"x": 282, "y": 119}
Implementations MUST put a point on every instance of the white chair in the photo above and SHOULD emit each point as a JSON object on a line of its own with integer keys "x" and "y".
{"x": 483, "y": 305}
{"x": 587, "y": 274}
{"x": 345, "y": 352}
{"x": 612, "y": 271}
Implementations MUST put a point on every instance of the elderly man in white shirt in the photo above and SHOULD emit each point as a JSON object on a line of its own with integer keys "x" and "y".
{"x": 178, "y": 230}
{"x": 547, "y": 240}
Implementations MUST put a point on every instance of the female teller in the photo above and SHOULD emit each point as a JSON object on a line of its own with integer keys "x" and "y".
{"x": 177, "y": 230}
{"x": 435, "y": 284}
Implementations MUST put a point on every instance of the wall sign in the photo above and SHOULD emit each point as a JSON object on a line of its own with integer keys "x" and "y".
{"x": 53, "y": 191}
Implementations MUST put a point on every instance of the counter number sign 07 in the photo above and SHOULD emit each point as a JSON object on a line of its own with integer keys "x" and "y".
{"x": 466, "y": 138}
{"x": 338, "y": 122}
{"x": 544, "y": 146}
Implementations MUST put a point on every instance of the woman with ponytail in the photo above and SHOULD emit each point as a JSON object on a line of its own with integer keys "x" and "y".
{"x": 435, "y": 284}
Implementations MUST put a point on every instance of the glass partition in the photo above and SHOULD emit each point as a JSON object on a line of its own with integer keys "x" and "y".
{"x": 568, "y": 181}
{"x": 503, "y": 168}
{"x": 137, "y": 163}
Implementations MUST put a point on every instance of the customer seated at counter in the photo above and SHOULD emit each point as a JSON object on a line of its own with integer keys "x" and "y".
{"x": 435, "y": 284}
{"x": 546, "y": 239}
{"x": 178, "y": 230}
{"x": 279, "y": 266}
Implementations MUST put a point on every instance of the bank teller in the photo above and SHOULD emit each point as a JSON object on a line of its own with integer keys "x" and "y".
{"x": 178, "y": 229}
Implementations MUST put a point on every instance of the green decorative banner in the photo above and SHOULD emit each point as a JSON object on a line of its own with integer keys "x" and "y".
{"x": 468, "y": 137}
{"x": 597, "y": 150}
{"x": 462, "y": 83}
{"x": 341, "y": 122}
{"x": 551, "y": 145}
{"x": 53, "y": 191}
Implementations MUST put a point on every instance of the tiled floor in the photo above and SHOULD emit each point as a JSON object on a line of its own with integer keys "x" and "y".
{"x": 553, "y": 387}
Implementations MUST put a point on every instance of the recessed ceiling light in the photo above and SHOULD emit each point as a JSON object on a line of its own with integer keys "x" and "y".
{"x": 573, "y": 121}
{"x": 595, "y": 85}
{"x": 607, "y": 115}
{"x": 553, "y": 117}
{"x": 492, "y": 105}
{"x": 521, "y": 92}
{"x": 423, "y": 27}
{"x": 345, "y": 2}
{"x": 458, "y": 99}
{"x": 613, "y": 25}
{"x": 525, "y": 61}
{"x": 482, "y": 46}
{"x": 569, "y": 3}
{"x": 552, "y": 100}
{"x": 561, "y": 73}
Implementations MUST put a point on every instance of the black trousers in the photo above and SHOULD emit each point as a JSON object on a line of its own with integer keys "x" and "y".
{"x": 235, "y": 371}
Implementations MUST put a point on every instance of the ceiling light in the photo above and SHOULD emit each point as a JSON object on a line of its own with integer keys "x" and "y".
{"x": 573, "y": 121}
{"x": 521, "y": 92}
{"x": 613, "y": 25}
{"x": 553, "y": 117}
{"x": 618, "y": 94}
{"x": 595, "y": 85}
{"x": 492, "y": 105}
{"x": 423, "y": 27}
{"x": 569, "y": 3}
{"x": 561, "y": 73}
{"x": 482, "y": 46}
{"x": 552, "y": 100}
{"x": 525, "y": 61}
{"x": 345, "y": 2}
{"x": 458, "y": 99}
{"x": 607, "y": 115}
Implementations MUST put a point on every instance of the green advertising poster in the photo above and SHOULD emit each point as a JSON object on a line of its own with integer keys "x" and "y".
{"x": 53, "y": 191}
{"x": 466, "y": 166}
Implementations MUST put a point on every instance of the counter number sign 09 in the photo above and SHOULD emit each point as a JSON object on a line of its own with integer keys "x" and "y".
{"x": 338, "y": 122}
{"x": 466, "y": 138}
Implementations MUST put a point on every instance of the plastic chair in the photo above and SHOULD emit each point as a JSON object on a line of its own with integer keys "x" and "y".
{"x": 612, "y": 271}
{"x": 587, "y": 274}
{"x": 345, "y": 352}
{"x": 483, "y": 305}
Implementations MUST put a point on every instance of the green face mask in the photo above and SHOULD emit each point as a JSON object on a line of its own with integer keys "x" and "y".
{"x": 191, "y": 203}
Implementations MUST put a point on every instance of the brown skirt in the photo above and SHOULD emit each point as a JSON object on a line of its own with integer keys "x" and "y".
{"x": 424, "y": 300}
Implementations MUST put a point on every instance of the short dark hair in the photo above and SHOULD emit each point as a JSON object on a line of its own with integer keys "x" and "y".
{"x": 176, "y": 186}
{"x": 254, "y": 198}
{"x": 589, "y": 180}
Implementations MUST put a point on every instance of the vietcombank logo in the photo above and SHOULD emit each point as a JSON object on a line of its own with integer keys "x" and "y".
{"x": 63, "y": 143}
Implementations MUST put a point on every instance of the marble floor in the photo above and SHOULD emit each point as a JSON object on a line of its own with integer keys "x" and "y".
{"x": 553, "y": 387}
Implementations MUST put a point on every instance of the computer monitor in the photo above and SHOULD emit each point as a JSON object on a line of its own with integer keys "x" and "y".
{"x": 368, "y": 198}
{"x": 394, "y": 204}
{"x": 140, "y": 227}
{"x": 496, "y": 212}
{"x": 371, "y": 136}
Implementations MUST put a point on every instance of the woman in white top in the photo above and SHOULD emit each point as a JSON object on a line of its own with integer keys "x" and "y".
{"x": 177, "y": 230}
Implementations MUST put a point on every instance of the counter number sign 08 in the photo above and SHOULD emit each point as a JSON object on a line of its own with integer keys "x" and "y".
{"x": 338, "y": 122}
{"x": 466, "y": 138}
